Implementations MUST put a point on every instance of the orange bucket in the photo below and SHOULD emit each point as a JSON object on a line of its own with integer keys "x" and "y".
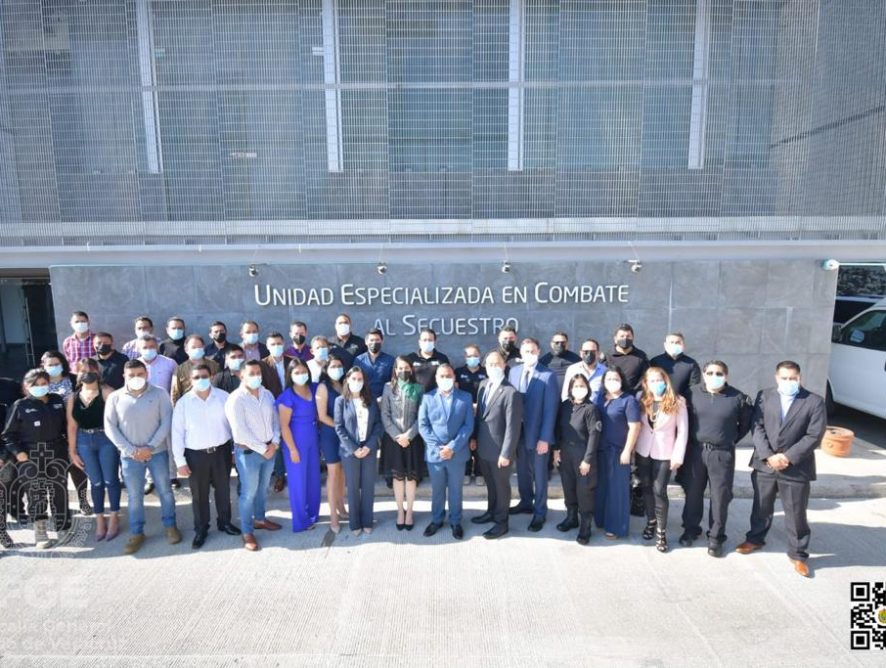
{"x": 837, "y": 441}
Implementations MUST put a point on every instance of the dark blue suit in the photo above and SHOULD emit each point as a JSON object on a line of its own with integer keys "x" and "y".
{"x": 541, "y": 402}
{"x": 440, "y": 426}
{"x": 359, "y": 473}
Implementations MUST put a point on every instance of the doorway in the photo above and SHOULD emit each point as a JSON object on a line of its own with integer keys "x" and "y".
{"x": 27, "y": 324}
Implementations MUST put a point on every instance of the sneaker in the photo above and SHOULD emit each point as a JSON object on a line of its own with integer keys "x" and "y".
{"x": 173, "y": 535}
{"x": 41, "y": 535}
{"x": 134, "y": 543}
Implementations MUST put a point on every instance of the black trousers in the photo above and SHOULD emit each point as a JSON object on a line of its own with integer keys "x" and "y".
{"x": 655, "y": 474}
{"x": 703, "y": 467}
{"x": 472, "y": 466}
{"x": 498, "y": 490}
{"x": 794, "y": 499}
{"x": 210, "y": 470}
{"x": 578, "y": 489}
{"x": 44, "y": 480}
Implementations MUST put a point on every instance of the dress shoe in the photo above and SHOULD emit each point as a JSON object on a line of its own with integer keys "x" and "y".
{"x": 520, "y": 510}
{"x": 250, "y": 543}
{"x": 536, "y": 524}
{"x": 687, "y": 539}
{"x": 149, "y": 487}
{"x": 173, "y": 535}
{"x": 571, "y": 521}
{"x": 198, "y": 541}
{"x": 801, "y": 567}
{"x": 431, "y": 529}
{"x": 400, "y": 527}
{"x": 409, "y": 527}
{"x": 714, "y": 549}
{"x": 457, "y": 532}
{"x": 134, "y": 543}
{"x": 175, "y": 483}
{"x": 480, "y": 481}
{"x": 485, "y": 518}
{"x": 584, "y": 530}
{"x": 497, "y": 531}
{"x": 279, "y": 483}
{"x": 747, "y": 547}
{"x": 267, "y": 525}
{"x": 229, "y": 529}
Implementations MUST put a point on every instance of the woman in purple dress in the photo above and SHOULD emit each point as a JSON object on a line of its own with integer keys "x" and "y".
{"x": 297, "y": 407}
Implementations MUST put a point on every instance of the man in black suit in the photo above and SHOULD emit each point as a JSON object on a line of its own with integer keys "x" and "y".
{"x": 789, "y": 422}
{"x": 496, "y": 433}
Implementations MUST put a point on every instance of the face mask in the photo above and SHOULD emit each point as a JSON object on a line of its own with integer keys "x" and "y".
{"x": 149, "y": 354}
{"x": 589, "y": 358}
{"x": 579, "y": 393}
{"x": 446, "y": 384}
{"x": 558, "y": 348}
{"x": 322, "y": 354}
{"x": 276, "y": 350}
{"x": 81, "y": 327}
{"x": 88, "y": 378}
{"x": 426, "y": 346}
{"x": 472, "y": 362}
{"x": 715, "y": 382}
{"x": 343, "y": 329}
{"x": 300, "y": 378}
{"x": 403, "y": 376}
{"x": 658, "y": 387}
{"x": 509, "y": 346}
{"x": 136, "y": 384}
{"x": 529, "y": 359}
{"x": 253, "y": 382}
{"x": 38, "y": 391}
{"x": 624, "y": 343}
{"x": 220, "y": 337}
{"x": 201, "y": 384}
{"x": 613, "y": 386}
{"x": 54, "y": 370}
{"x": 373, "y": 347}
{"x": 235, "y": 363}
{"x": 337, "y": 373}
{"x": 142, "y": 333}
{"x": 788, "y": 388}
{"x": 298, "y": 339}
{"x": 103, "y": 349}
{"x": 675, "y": 350}
{"x": 355, "y": 386}
{"x": 175, "y": 334}
{"x": 196, "y": 353}
{"x": 250, "y": 339}
{"x": 495, "y": 373}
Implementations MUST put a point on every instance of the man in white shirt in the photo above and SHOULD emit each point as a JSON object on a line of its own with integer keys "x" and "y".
{"x": 255, "y": 426}
{"x": 160, "y": 368}
{"x": 201, "y": 445}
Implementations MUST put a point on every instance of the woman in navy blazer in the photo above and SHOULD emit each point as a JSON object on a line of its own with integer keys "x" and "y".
{"x": 359, "y": 429}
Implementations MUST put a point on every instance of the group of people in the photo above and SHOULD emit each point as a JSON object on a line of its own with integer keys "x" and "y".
{"x": 188, "y": 407}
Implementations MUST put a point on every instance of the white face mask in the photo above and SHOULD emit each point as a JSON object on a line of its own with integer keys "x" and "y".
{"x": 250, "y": 339}
{"x": 426, "y": 346}
{"x": 674, "y": 349}
{"x": 253, "y": 382}
{"x": 579, "y": 393}
{"x": 300, "y": 378}
{"x": 446, "y": 384}
{"x": 613, "y": 386}
{"x": 336, "y": 373}
{"x": 788, "y": 388}
{"x": 495, "y": 373}
{"x": 81, "y": 327}
{"x": 355, "y": 386}
{"x": 343, "y": 329}
{"x": 136, "y": 383}
{"x": 530, "y": 359}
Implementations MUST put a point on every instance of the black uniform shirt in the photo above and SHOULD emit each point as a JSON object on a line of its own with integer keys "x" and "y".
{"x": 112, "y": 369}
{"x": 174, "y": 349}
{"x": 633, "y": 365}
{"x": 721, "y": 418}
{"x": 468, "y": 381}
{"x": 32, "y": 421}
{"x": 559, "y": 363}
{"x": 425, "y": 368}
{"x": 578, "y": 428}
{"x": 684, "y": 371}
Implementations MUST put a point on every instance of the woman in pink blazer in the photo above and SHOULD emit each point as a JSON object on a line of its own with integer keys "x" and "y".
{"x": 664, "y": 429}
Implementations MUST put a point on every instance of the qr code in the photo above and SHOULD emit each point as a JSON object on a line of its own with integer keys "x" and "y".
{"x": 868, "y": 615}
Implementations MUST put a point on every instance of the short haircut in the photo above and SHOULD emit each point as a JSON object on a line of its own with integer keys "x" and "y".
{"x": 150, "y": 338}
{"x": 678, "y": 335}
{"x": 249, "y": 322}
{"x": 508, "y": 328}
{"x": 34, "y": 375}
{"x": 428, "y": 330}
{"x": 103, "y": 335}
{"x": 529, "y": 339}
{"x": 560, "y": 333}
{"x": 319, "y": 339}
{"x": 375, "y": 331}
{"x": 624, "y": 327}
{"x": 718, "y": 363}
{"x": 790, "y": 365}
{"x": 594, "y": 341}
{"x": 275, "y": 335}
{"x": 135, "y": 364}
{"x": 444, "y": 366}
{"x": 144, "y": 318}
{"x": 233, "y": 348}
{"x": 472, "y": 346}
{"x": 297, "y": 323}
{"x": 496, "y": 353}
{"x": 252, "y": 363}
{"x": 201, "y": 366}
{"x": 343, "y": 315}
{"x": 195, "y": 337}
{"x": 218, "y": 323}
{"x": 79, "y": 314}
{"x": 175, "y": 318}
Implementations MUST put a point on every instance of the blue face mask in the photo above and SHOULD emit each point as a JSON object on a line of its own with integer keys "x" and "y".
{"x": 175, "y": 334}
{"x": 658, "y": 387}
{"x": 788, "y": 388}
{"x": 149, "y": 354}
{"x": 472, "y": 362}
{"x": 337, "y": 373}
{"x": 276, "y": 350}
{"x": 54, "y": 370}
{"x": 38, "y": 391}
{"x": 322, "y": 354}
{"x": 235, "y": 363}
{"x": 250, "y": 339}
{"x": 253, "y": 382}
{"x": 426, "y": 346}
{"x": 196, "y": 353}
{"x": 202, "y": 384}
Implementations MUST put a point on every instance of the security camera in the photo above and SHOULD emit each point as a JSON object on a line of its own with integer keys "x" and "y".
{"x": 253, "y": 271}
{"x": 506, "y": 267}
{"x": 381, "y": 268}
{"x": 636, "y": 266}
{"x": 830, "y": 265}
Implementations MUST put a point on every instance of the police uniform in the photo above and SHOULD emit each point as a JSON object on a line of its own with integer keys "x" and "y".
{"x": 425, "y": 368}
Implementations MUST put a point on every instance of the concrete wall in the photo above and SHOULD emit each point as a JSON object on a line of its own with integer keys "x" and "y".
{"x": 750, "y": 313}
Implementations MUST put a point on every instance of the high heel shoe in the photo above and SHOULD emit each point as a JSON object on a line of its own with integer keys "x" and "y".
{"x": 649, "y": 530}
{"x": 661, "y": 541}
{"x": 335, "y": 528}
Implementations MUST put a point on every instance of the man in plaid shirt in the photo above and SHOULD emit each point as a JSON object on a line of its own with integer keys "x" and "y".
{"x": 79, "y": 345}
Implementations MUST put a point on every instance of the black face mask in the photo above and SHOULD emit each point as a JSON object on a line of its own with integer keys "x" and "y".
{"x": 103, "y": 349}
{"x": 221, "y": 337}
{"x": 509, "y": 346}
{"x": 589, "y": 358}
{"x": 624, "y": 343}
{"x": 373, "y": 347}
{"x": 298, "y": 339}
{"x": 558, "y": 348}
{"x": 403, "y": 375}
{"x": 88, "y": 377}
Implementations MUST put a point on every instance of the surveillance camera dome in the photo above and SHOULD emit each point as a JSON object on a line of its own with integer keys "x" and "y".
{"x": 830, "y": 265}
{"x": 636, "y": 266}
{"x": 253, "y": 270}
{"x": 506, "y": 267}
{"x": 382, "y": 268}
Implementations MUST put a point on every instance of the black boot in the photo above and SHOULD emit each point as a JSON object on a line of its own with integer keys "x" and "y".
{"x": 649, "y": 529}
{"x": 5, "y": 540}
{"x": 571, "y": 521}
{"x": 584, "y": 530}
{"x": 85, "y": 506}
{"x": 661, "y": 541}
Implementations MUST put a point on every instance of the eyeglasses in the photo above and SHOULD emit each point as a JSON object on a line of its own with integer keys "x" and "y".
{"x": 714, "y": 373}
{"x": 589, "y": 352}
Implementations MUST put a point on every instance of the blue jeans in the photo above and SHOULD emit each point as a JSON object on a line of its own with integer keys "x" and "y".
{"x": 255, "y": 476}
{"x": 102, "y": 461}
{"x": 446, "y": 476}
{"x": 134, "y": 474}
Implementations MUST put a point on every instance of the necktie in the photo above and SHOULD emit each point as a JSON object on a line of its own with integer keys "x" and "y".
{"x": 524, "y": 380}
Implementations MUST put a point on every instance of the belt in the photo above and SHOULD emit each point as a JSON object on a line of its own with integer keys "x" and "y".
{"x": 208, "y": 451}
{"x": 714, "y": 446}
{"x": 92, "y": 431}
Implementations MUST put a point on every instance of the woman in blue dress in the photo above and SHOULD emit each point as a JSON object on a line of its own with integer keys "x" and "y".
{"x": 297, "y": 407}
{"x": 328, "y": 390}
{"x": 620, "y": 414}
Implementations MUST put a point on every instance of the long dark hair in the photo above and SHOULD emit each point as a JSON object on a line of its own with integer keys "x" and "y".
{"x": 93, "y": 367}
{"x": 365, "y": 394}
{"x": 579, "y": 377}
{"x": 293, "y": 365}
{"x": 324, "y": 373}
{"x": 66, "y": 368}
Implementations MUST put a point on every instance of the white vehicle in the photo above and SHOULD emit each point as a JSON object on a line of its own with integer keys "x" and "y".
{"x": 857, "y": 376}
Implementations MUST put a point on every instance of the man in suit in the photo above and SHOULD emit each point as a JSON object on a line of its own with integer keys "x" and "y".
{"x": 789, "y": 422}
{"x": 446, "y": 422}
{"x": 496, "y": 433}
{"x": 541, "y": 400}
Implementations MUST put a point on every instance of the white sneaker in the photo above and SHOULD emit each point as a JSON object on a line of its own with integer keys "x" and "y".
{"x": 41, "y": 535}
